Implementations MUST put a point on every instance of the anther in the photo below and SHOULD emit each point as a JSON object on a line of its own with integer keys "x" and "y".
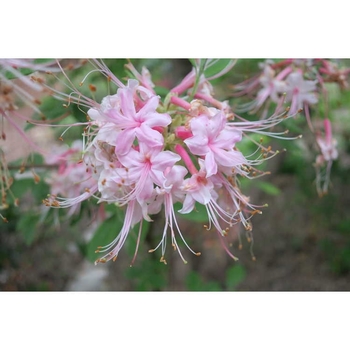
{"x": 36, "y": 178}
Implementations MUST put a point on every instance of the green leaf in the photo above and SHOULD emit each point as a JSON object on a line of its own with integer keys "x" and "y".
{"x": 234, "y": 276}
{"x": 161, "y": 91}
{"x": 194, "y": 282}
{"x": 193, "y": 62}
{"x": 199, "y": 214}
{"x": 151, "y": 275}
{"x": 131, "y": 242}
{"x": 216, "y": 67}
{"x": 53, "y": 108}
{"x": 268, "y": 188}
{"x": 22, "y": 71}
{"x": 27, "y": 226}
{"x": 105, "y": 234}
{"x": 344, "y": 226}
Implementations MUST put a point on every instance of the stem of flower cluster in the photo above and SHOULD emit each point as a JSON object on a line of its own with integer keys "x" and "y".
{"x": 186, "y": 158}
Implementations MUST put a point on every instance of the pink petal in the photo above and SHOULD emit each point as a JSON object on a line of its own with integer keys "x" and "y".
{"x": 210, "y": 164}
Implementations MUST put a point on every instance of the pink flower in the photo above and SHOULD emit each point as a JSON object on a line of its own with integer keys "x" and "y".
{"x": 132, "y": 122}
{"x": 167, "y": 195}
{"x": 72, "y": 182}
{"x": 327, "y": 143}
{"x": 329, "y": 153}
{"x": 273, "y": 85}
{"x": 299, "y": 91}
{"x": 145, "y": 167}
{"x": 198, "y": 188}
{"x": 213, "y": 140}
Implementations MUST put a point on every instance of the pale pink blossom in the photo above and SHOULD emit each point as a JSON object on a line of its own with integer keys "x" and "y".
{"x": 132, "y": 122}
{"x": 213, "y": 140}
{"x": 328, "y": 147}
{"x": 299, "y": 91}
{"x": 273, "y": 86}
{"x": 166, "y": 196}
{"x": 72, "y": 182}
{"x": 145, "y": 167}
{"x": 327, "y": 144}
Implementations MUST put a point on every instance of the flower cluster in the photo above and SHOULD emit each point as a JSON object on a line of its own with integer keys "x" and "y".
{"x": 70, "y": 177}
{"x": 20, "y": 100}
{"x": 146, "y": 155}
{"x": 301, "y": 84}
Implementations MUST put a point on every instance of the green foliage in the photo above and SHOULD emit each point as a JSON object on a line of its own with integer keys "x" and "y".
{"x": 234, "y": 276}
{"x": 105, "y": 234}
{"x": 195, "y": 283}
{"x": 337, "y": 254}
{"x": 268, "y": 188}
{"x": 52, "y": 108}
{"x": 23, "y": 71}
{"x": 151, "y": 275}
{"x": 131, "y": 242}
{"x": 161, "y": 91}
{"x": 214, "y": 67}
{"x": 28, "y": 227}
{"x": 198, "y": 215}
{"x": 38, "y": 190}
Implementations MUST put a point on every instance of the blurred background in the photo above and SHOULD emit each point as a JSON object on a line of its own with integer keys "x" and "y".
{"x": 301, "y": 241}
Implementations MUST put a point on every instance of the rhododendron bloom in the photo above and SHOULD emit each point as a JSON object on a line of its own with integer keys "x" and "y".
{"x": 329, "y": 153}
{"x": 272, "y": 86}
{"x": 212, "y": 139}
{"x": 327, "y": 143}
{"x": 143, "y": 155}
{"x": 299, "y": 91}
{"x": 146, "y": 167}
{"x": 130, "y": 121}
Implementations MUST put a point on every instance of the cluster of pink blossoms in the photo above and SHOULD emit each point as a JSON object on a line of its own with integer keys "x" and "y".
{"x": 300, "y": 83}
{"x": 20, "y": 100}
{"x": 145, "y": 155}
{"x": 70, "y": 177}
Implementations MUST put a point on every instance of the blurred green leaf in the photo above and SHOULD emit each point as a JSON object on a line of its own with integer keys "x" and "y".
{"x": 38, "y": 190}
{"x": 52, "y": 108}
{"x": 195, "y": 282}
{"x": 161, "y": 91}
{"x": 199, "y": 214}
{"x": 216, "y": 66}
{"x": 234, "y": 276}
{"x": 268, "y": 188}
{"x": 151, "y": 275}
{"x": 131, "y": 242}
{"x": 27, "y": 226}
{"x": 105, "y": 234}
{"x": 22, "y": 71}
{"x": 344, "y": 226}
